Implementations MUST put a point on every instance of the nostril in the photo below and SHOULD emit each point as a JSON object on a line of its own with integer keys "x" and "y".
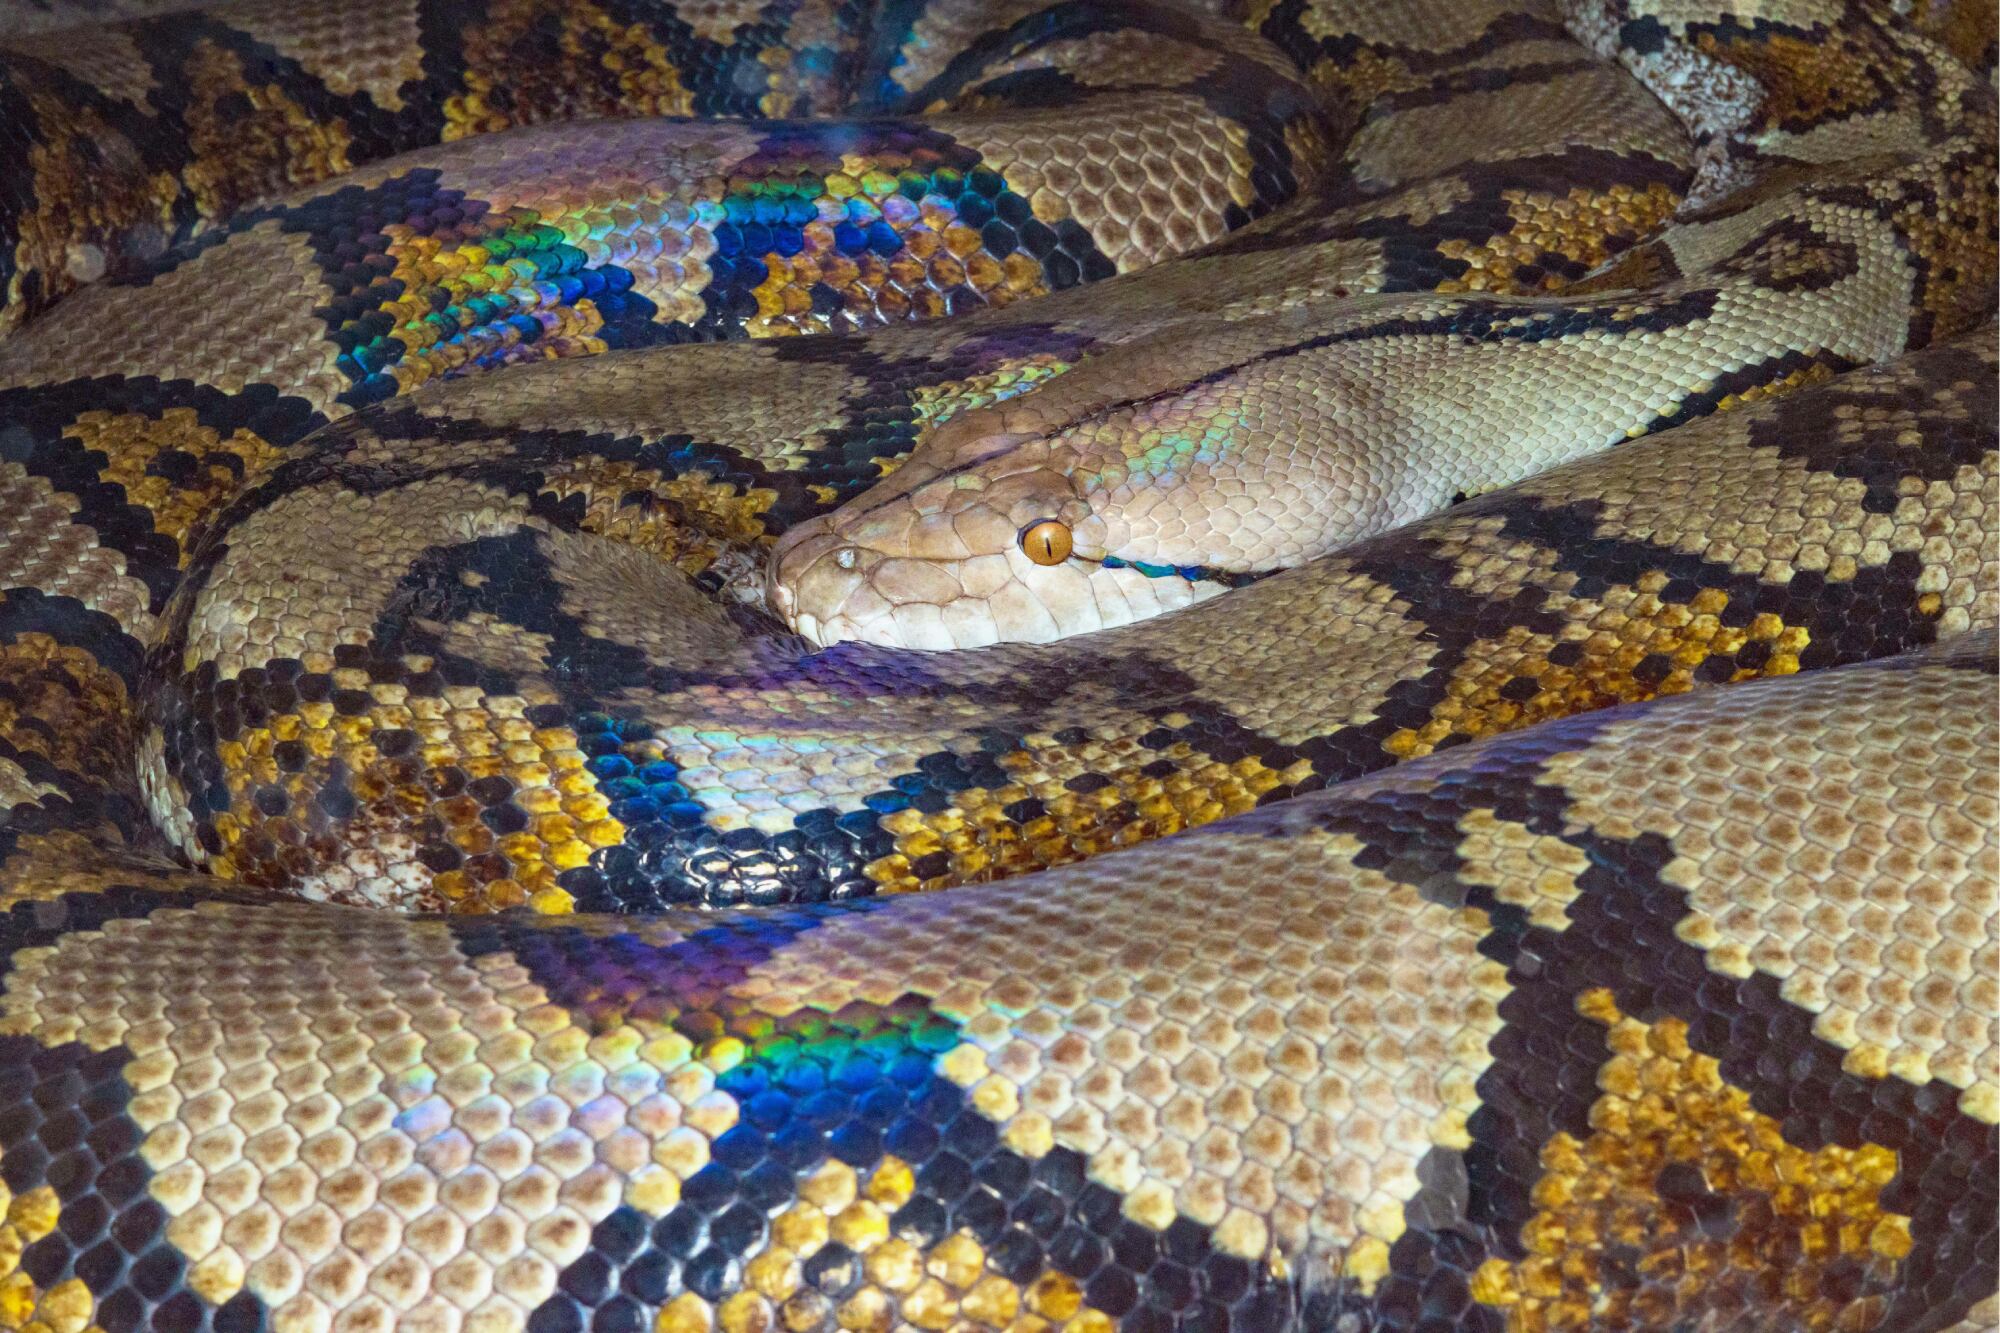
{"x": 810, "y": 572}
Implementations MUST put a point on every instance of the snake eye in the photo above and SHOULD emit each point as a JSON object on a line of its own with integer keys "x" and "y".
{"x": 1046, "y": 541}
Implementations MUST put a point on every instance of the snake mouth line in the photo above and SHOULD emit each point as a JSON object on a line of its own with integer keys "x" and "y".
{"x": 1188, "y": 573}
{"x": 830, "y": 590}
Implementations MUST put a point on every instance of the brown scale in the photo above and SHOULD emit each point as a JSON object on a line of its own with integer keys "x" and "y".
{"x": 264, "y": 1047}
{"x": 1358, "y": 81}
{"x": 1792, "y": 382}
{"x": 251, "y": 139}
{"x": 647, "y": 83}
{"x": 1607, "y": 1185}
{"x": 1788, "y": 260}
{"x": 1828, "y": 76}
{"x": 29, "y": 17}
{"x": 24, "y": 1219}
{"x": 1611, "y": 634}
{"x": 463, "y": 738}
{"x": 95, "y": 208}
{"x": 59, "y": 703}
{"x": 239, "y": 158}
{"x": 937, "y": 257}
{"x": 1688, "y": 635}
{"x": 984, "y": 842}
{"x": 68, "y": 861}
{"x": 1666, "y": 1114}
{"x": 1107, "y": 791}
{"x": 131, "y": 443}
{"x": 1966, "y": 27}
{"x": 77, "y": 202}
{"x": 688, "y": 521}
{"x": 1643, "y": 266}
{"x": 1629, "y": 626}
{"x": 1782, "y": 381}
{"x": 423, "y": 267}
{"x": 1948, "y": 224}
{"x": 1366, "y": 79}
{"x": 934, "y": 1288}
{"x": 1583, "y": 228}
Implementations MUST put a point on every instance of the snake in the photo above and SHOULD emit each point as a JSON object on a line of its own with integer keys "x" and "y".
{"x": 1000, "y": 664}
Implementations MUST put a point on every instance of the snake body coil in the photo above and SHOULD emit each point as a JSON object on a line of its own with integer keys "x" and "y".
{"x": 434, "y": 890}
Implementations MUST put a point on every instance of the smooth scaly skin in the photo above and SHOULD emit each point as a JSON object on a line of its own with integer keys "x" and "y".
{"x": 1273, "y": 441}
{"x": 84, "y": 393}
{"x": 1370, "y": 1037}
{"x": 128, "y": 137}
{"x": 1490, "y": 1039}
{"x": 1850, "y": 523}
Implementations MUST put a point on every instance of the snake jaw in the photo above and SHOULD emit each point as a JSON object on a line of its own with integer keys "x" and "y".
{"x": 812, "y": 566}
{"x": 830, "y": 589}
{"x": 932, "y": 557}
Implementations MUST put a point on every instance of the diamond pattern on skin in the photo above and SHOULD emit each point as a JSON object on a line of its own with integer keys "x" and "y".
{"x": 1541, "y": 1029}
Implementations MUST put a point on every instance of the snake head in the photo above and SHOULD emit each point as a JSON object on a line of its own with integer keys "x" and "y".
{"x": 1150, "y": 477}
{"x": 1131, "y": 486}
{"x": 988, "y": 537}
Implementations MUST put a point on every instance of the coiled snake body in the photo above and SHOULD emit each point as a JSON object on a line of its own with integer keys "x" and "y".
{"x": 435, "y": 891}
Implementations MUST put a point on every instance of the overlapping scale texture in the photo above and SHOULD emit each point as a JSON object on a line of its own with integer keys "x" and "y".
{"x": 434, "y": 895}
{"x": 644, "y": 773}
{"x": 1480, "y": 1002}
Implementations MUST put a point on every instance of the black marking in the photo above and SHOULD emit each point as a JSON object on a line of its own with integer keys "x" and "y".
{"x": 1621, "y": 937}
{"x": 854, "y": 1086}
{"x": 1643, "y": 36}
{"x": 25, "y": 610}
{"x": 64, "y": 1126}
{"x": 1286, "y": 28}
{"x": 1412, "y": 257}
{"x": 1810, "y": 428}
{"x": 33, "y": 435}
{"x": 1731, "y": 383}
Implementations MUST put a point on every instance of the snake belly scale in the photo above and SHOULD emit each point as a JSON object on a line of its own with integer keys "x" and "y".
{"x": 999, "y": 666}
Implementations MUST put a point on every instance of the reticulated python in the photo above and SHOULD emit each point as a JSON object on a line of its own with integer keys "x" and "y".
{"x": 1680, "y": 1014}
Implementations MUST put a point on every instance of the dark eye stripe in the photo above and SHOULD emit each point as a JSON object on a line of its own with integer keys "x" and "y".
{"x": 1192, "y": 573}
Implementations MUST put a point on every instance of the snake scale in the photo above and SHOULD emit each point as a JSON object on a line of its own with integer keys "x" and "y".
{"x": 1454, "y": 873}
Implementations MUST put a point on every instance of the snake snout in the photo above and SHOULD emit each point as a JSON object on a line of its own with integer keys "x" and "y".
{"x": 817, "y": 581}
